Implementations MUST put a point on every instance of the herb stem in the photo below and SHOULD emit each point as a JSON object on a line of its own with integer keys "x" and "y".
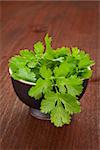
{"x": 56, "y": 89}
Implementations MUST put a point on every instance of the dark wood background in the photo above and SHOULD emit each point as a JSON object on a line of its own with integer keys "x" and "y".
{"x": 71, "y": 24}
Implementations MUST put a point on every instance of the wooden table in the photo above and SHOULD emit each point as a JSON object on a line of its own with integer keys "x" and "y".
{"x": 71, "y": 24}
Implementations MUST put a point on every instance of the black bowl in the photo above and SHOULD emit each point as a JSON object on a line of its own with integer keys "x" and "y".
{"x": 21, "y": 89}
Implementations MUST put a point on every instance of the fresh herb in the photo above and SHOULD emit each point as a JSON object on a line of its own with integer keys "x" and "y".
{"x": 59, "y": 75}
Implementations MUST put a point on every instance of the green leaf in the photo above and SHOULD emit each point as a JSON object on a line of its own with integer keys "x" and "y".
{"x": 49, "y": 53}
{"x": 25, "y": 74}
{"x": 74, "y": 85}
{"x": 17, "y": 62}
{"x": 64, "y": 69}
{"x": 60, "y": 106}
{"x": 32, "y": 64}
{"x": 39, "y": 49}
{"x": 19, "y": 69}
{"x": 28, "y": 54}
{"x": 61, "y": 84}
{"x": 45, "y": 72}
{"x": 57, "y": 55}
{"x": 59, "y": 116}
{"x": 85, "y": 61}
{"x": 71, "y": 104}
{"x": 85, "y": 74}
{"x": 48, "y": 41}
{"x": 30, "y": 57}
{"x": 13, "y": 66}
{"x": 63, "y": 51}
{"x": 70, "y": 59}
{"x": 48, "y": 104}
{"x": 75, "y": 52}
{"x": 42, "y": 86}
{"x": 36, "y": 71}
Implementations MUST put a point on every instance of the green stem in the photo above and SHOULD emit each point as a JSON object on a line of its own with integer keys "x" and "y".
{"x": 56, "y": 89}
{"x": 56, "y": 77}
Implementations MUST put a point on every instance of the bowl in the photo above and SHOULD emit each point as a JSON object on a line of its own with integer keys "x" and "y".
{"x": 21, "y": 89}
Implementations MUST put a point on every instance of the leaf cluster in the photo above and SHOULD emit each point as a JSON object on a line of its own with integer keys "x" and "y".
{"x": 59, "y": 75}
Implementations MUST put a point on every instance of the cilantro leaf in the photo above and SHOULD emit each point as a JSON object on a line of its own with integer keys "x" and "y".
{"x": 30, "y": 57}
{"x": 18, "y": 65}
{"x": 17, "y": 61}
{"x": 32, "y": 64}
{"x": 74, "y": 85}
{"x": 25, "y": 74}
{"x": 55, "y": 55}
{"x": 85, "y": 73}
{"x": 63, "y": 51}
{"x": 28, "y": 54}
{"x": 38, "y": 49}
{"x": 71, "y": 104}
{"x": 49, "y": 102}
{"x": 60, "y": 106}
{"x": 64, "y": 69}
{"x": 25, "y": 58}
{"x": 42, "y": 86}
{"x": 59, "y": 116}
{"x": 45, "y": 73}
{"x": 49, "y": 53}
{"x": 85, "y": 61}
{"x": 61, "y": 84}
{"x": 75, "y": 52}
{"x": 48, "y": 41}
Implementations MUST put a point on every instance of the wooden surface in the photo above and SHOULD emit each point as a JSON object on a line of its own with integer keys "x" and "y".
{"x": 71, "y": 24}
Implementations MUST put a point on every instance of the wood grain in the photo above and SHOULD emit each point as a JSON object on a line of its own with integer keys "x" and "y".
{"x": 71, "y": 24}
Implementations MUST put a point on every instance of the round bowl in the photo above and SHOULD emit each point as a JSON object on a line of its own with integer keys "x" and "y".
{"x": 21, "y": 89}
